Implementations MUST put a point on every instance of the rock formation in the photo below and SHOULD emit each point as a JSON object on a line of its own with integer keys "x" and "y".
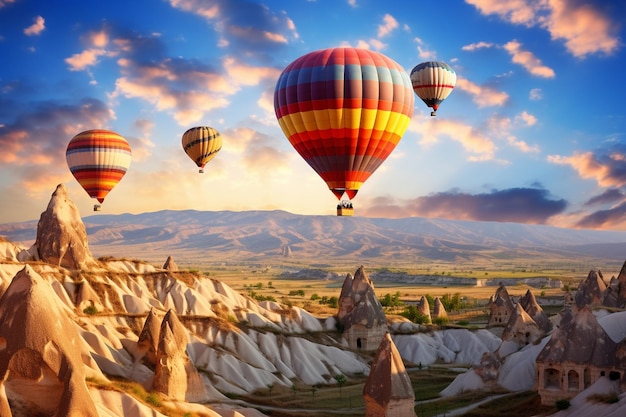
{"x": 148, "y": 342}
{"x": 500, "y": 308}
{"x": 388, "y": 391}
{"x": 42, "y": 361}
{"x": 615, "y": 294}
{"x": 175, "y": 375}
{"x": 439, "y": 312}
{"x": 360, "y": 313}
{"x": 170, "y": 265}
{"x": 591, "y": 290}
{"x": 521, "y": 328}
{"x": 61, "y": 235}
{"x": 531, "y": 306}
{"x": 424, "y": 308}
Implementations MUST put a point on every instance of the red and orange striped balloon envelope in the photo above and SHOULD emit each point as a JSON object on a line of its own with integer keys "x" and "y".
{"x": 98, "y": 159}
{"x": 344, "y": 110}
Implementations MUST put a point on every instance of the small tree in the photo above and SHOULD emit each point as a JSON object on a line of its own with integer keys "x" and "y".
{"x": 341, "y": 380}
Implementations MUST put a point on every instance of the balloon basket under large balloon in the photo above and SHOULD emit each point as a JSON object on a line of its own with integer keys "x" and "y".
{"x": 201, "y": 171}
{"x": 344, "y": 208}
{"x": 97, "y": 207}
{"x": 433, "y": 113}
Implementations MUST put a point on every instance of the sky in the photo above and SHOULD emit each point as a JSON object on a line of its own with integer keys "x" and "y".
{"x": 534, "y": 131}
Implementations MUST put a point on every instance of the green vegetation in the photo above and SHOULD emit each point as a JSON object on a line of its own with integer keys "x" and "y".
{"x": 562, "y": 404}
{"x": 91, "y": 310}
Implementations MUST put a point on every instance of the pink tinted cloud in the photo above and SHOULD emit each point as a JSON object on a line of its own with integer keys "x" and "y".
{"x": 481, "y": 95}
{"x": 583, "y": 28}
{"x": 528, "y": 60}
{"x": 389, "y": 25}
{"x": 606, "y": 170}
{"x": 37, "y": 27}
{"x": 476, "y": 143}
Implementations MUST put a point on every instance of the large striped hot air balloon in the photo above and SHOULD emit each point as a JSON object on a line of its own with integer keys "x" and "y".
{"x": 433, "y": 81}
{"x": 344, "y": 110}
{"x": 201, "y": 144}
{"x": 98, "y": 159}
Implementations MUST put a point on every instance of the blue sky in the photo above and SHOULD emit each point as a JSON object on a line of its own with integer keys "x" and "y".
{"x": 532, "y": 133}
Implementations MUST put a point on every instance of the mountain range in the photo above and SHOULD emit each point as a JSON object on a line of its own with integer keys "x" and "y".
{"x": 277, "y": 237}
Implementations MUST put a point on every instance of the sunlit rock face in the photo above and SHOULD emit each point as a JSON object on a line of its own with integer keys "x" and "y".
{"x": 170, "y": 265}
{"x": 175, "y": 375}
{"x": 61, "y": 235}
{"x": 360, "y": 313}
{"x": 43, "y": 361}
{"x": 439, "y": 311}
{"x": 424, "y": 308}
{"x": 388, "y": 391}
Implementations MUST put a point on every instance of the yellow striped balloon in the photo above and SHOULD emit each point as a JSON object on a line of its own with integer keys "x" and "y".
{"x": 344, "y": 110}
{"x": 201, "y": 144}
{"x": 98, "y": 159}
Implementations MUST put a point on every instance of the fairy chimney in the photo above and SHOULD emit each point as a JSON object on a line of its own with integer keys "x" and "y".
{"x": 61, "y": 235}
{"x": 501, "y": 308}
{"x": 170, "y": 265}
{"x": 531, "y": 306}
{"x": 615, "y": 294}
{"x": 521, "y": 328}
{"x": 175, "y": 375}
{"x": 148, "y": 341}
{"x": 43, "y": 360}
{"x": 360, "y": 313}
{"x": 388, "y": 391}
{"x": 439, "y": 312}
{"x": 591, "y": 290}
{"x": 424, "y": 308}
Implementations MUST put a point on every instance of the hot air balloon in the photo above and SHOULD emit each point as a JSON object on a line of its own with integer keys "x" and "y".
{"x": 344, "y": 110}
{"x": 433, "y": 81}
{"x": 98, "y": 159}
{"x": 201, "y": 144}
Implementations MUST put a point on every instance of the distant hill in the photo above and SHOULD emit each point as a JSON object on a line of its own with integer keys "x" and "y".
{"x": 277, "y": 236}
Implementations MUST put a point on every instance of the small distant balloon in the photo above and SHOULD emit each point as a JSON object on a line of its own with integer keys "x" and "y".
{"x": 344, "y": 110}
{"x": 433, "y": 81}
{"x": 98, "y": 159}
{"x": 201, "y": 144}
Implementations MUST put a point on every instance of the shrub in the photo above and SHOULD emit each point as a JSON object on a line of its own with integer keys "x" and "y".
{"x": 91, "y": 310}
{"x": 562, "y": 404}
{"x": 153, "y": 400}
{"x": 412, "y": 313}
